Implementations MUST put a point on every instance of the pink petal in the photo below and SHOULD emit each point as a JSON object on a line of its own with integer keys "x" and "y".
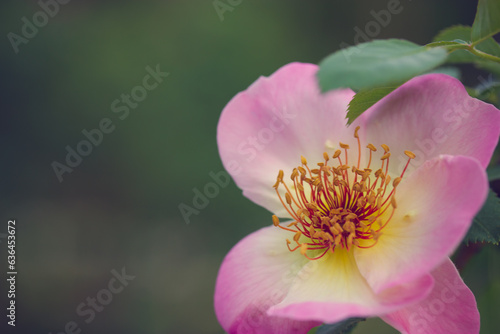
{"x": 432, "y": 115}
{"x": 256, "y": 274}
{"x": 436, "y": 205}
{"x": 332, "y": 289}
{"x": 276, "y": 120}
{"x": 450, "y": 308}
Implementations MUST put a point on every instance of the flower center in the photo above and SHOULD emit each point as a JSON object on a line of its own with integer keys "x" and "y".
{"x": 338, "y": 206}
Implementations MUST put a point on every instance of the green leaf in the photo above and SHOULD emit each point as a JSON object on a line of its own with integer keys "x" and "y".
{"x": 490, "y": 46}
{"x": 487, "y": 21}
{"x": 490, "y": 67}
{"x": 364, "y": 100}
{"x": 380, "y": 63}
{"x": 489, "y": 301}
{"x": 488, "y": 90}
{"x": 448, "y": 70}
{"x": 493, "y": 173}
{"x": 471, "y": 91}
{"x": 343, "y": 327}
{"x": 486, "y": 224}
{"x": 446, "y": 43}
{"x": 452, "y": 34}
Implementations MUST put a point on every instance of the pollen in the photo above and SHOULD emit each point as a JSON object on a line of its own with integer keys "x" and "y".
{"x": 338, "y": 204}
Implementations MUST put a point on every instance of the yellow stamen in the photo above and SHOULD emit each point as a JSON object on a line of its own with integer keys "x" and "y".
{"x": 340, "y": 205}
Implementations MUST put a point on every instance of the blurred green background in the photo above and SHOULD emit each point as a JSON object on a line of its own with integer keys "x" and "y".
{"x": 119, "y": 207}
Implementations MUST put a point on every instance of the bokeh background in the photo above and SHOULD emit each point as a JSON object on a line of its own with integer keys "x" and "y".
{"x": 120, "y": 207}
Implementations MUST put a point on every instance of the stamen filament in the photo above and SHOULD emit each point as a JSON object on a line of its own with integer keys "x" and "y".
{"x": 333, "y": 212}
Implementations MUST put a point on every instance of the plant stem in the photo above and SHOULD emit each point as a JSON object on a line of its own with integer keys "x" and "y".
{"x": 482, "y": 54}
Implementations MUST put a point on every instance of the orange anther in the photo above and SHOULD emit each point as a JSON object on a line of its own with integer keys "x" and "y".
{"x": 303, "y": 249}
{"x": 351, "y": 215}
{"x": 343, "y": 205}
{"x": 396, "y": 182}
{"x": 349, "y": 238}
{"x": 312, "y": 206}
{"x": 356, "y": 132}
{"x": 302, "y": 212}
{"x": 371, "y": 199}
{"x": 276, "y": 220}
{"x": 410, "y": 154}
{"x": 386, "y": 156}
{"x": 364, "y": 187}
{"x": 328, "y": 236}
{"x": 393, "y": 202}
{"x": 311, "y": 230}
{"x": 335, "y": 211}
{"x": 334, "y": 230}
